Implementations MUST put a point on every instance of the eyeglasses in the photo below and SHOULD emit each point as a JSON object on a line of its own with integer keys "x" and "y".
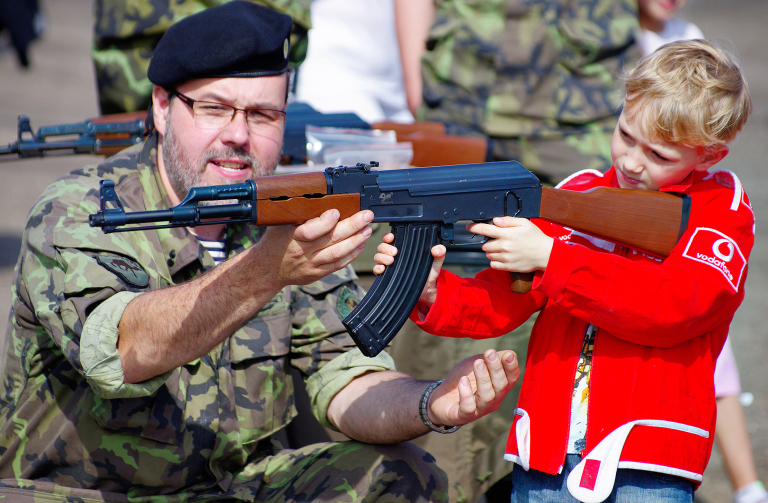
{"x": 211, "y": 115}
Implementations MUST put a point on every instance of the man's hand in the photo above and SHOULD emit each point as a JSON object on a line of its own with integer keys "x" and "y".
{"x": 473, "y": 388}
{"x": 386, "y": 256}
{"x": 515, "y": 244}
{"x": 308, "y": 252}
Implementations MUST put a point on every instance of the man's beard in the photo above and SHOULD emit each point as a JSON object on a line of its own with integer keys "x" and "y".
{"x": 184, "y": 174}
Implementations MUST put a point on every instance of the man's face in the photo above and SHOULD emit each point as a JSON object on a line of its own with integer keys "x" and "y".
{"x": 194, "y": 156}
{"x": 647, "y": 164}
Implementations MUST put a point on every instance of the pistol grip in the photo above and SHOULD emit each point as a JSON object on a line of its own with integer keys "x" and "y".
{"x": 522, "y": 282}
{"x": 386, "y": 307}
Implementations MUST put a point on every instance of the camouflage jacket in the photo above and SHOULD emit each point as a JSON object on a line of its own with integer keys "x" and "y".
{"x": 67, "y": 421}
{"x": 530, "y": 68}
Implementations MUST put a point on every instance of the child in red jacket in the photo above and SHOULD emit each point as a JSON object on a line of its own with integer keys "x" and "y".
{"x": 617, "y": 400}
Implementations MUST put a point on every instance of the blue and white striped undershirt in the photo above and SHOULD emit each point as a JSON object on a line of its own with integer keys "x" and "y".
{"x": 216, "y": 248}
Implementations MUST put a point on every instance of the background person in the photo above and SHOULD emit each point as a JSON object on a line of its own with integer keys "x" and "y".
{"x": 538, "y": 79}
{"x": 353, "y": 61}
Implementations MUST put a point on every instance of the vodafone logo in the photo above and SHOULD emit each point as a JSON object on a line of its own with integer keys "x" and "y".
{"x": 731, "y": 248}
{"x": 715, "y": 249}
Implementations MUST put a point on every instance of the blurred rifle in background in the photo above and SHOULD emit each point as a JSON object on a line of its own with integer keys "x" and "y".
{"x": 104, "y": 135}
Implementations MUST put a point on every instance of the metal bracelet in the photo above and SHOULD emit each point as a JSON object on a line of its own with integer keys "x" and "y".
{"x": 423, "y": 411}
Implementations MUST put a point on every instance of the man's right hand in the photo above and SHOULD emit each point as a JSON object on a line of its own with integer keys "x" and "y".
{"x": 386, "y": 256}
{"x": 308, "y": 252}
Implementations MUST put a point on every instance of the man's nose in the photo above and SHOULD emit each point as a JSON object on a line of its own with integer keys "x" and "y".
{"x": 237, "y": 131}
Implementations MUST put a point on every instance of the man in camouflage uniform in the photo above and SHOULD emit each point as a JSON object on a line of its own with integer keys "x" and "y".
{"x": 136, "y": 369}
{"x": 126, "y": 32}
{"x": 537, "y": 78}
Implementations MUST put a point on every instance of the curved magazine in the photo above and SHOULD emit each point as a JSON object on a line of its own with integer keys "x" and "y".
{"x": 393, "y": 295}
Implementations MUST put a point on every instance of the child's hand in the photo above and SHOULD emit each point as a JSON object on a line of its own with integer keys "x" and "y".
{"x": 515, "y": 245}
{"x": 386, "y": 256}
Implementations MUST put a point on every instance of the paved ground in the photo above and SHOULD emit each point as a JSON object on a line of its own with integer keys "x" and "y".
{"x": 60, "y": 89}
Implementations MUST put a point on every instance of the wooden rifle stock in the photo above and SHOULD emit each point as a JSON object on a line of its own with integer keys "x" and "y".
{"x": 649, "y": 221}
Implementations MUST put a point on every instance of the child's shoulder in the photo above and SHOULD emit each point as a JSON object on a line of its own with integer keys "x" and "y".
{"x": 725, "y": 185}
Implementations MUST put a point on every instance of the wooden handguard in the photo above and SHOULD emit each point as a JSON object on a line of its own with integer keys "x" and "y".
{"x": 296, "y": 211}
{"x": 116, "y": 118}
{"x": 282, "y": 199}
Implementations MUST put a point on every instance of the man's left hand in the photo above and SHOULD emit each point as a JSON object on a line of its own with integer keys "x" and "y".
{"x": 474, "y": 388}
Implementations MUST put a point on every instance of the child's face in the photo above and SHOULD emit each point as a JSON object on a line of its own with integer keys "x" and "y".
{"x": 646, "y": 164}
{"x": 659, "y": 11}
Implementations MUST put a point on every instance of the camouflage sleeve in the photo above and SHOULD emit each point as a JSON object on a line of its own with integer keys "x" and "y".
{"x": 102, "y": 365}
{"x": 317, "y": 309}
{"x": 68, "y": 268}
{"x": 320, "y": 345}
{"x": 333, "y": 377}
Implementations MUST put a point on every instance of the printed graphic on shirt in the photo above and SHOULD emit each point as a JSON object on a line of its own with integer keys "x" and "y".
{"x": 712, "y": 247}
{"x": 577, "y": 435}
{"x": 127, "y": 269}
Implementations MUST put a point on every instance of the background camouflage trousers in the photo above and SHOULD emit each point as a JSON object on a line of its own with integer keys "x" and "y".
{"x": 332, "y": 472}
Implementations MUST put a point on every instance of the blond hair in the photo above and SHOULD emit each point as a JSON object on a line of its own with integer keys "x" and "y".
{"x": 688, "y": 93}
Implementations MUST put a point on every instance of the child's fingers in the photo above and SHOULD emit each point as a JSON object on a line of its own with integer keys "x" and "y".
{"x": 509, "y": 221}
{"x": 438, "y": 252}
{"x": 496, "y": 230}
{"x": 384, "y": 259}
{"x": 386, "y": 249}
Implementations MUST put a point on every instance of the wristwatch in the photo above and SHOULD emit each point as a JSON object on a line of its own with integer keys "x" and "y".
{"x": 423, "y": 411}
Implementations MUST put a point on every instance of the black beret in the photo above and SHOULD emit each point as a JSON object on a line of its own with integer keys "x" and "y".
{"x": 235, "y": 39}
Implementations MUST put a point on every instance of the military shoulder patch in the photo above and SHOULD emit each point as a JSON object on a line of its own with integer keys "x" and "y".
{"x": 127, "y": 269}
{"x": 347, "y": 301}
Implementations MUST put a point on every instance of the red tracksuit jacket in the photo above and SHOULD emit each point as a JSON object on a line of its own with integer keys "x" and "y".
{"x": 660, "y": 327}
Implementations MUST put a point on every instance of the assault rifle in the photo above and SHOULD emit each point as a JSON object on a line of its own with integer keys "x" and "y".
{"x": 422, "y": 206}
{"x": 105, "y": 135}
{"x": 109, "y": 134}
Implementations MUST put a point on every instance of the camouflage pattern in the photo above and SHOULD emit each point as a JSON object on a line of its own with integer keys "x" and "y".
{"x": 528, "y": 71}
{"x": 203, "y": 431}
{"x": 126, "y": 32}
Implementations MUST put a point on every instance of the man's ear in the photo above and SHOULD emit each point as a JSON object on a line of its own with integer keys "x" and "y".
{"x": 161, "y": 106}
{"x": 711, "y": 156}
